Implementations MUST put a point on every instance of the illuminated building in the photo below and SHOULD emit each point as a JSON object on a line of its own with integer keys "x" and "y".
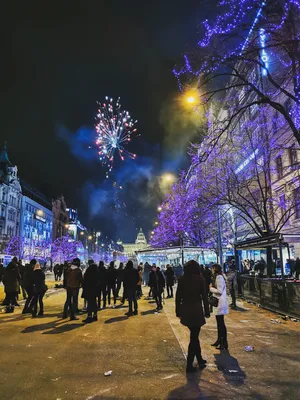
{"x": 140, "y": 244}
{"x": 10, "y": 198}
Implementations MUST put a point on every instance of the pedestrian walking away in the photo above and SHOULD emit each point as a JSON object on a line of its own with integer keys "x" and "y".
{"x": 111, "y": 283}
{"x": 219, "y": 290}
{"x": 72, "y": 282}
{"x": 102, "y": 285}
{"x": 27, "y": 283}
{"x": 170, "y": 275}
{"x": 157, "y": 284}
{"x": 191, "y": 298}
{"x": 131, "y": 279}
{"x": 39, "y": 290}
{"x": 90, "y": 287}
{"x": 11, "y": 281}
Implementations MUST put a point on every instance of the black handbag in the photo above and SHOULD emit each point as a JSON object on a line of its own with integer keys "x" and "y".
{"x": 213, "y": 301}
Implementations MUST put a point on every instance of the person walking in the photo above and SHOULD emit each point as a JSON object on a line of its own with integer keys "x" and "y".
{"x": 191, "y": 298}
{"x": 39, "y": 290}
{"x": 102, "y": 284}
{"x": 232, "y": 284}
{"x": 131, "y": 279}
{"x": 222, "y": 308}
{"x": 27, "y": 283}
{"x": 111, "y": 283}
{"x": 157, "y": 284}
{"x": 72, "y": 282}
{"x": 170, "y": 281}
{"x": 139, "y": 292}
{"x": 120, "y": 273}
{"x": 11, "y": 281}
{"x": 90, "y": 287}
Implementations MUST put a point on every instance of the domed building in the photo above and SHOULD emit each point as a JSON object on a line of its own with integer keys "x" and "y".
{"x": 140, "y": 244}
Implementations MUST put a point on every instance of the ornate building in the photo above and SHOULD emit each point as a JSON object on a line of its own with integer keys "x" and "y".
{"x": 140, "y": 244}
{"x": 60, "y": 218}
{"x": 10, "y": 199}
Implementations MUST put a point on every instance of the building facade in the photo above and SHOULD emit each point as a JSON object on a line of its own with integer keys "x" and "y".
{"x": 140, "y": 244}
{"x": 36, "y": 216}
{"x": 10, "y": 199}
{"x": 60, "y": 218}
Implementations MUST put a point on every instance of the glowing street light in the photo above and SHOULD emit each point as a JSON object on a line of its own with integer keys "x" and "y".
{"x": 191, "y": 99}
{"x": 159, "y": 209}
{"x": 155, "y": 223}
{"x": 81, "y": 233}
{"x": 90, "y": 237}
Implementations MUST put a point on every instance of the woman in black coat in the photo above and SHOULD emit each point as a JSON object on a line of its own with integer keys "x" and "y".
{"x": 191, "y": 296}
{"x": 11, "y": 281}
{"x": 169, "y": 280}
{"x": 39, "y": 289}
{"x": 91, "y": 284}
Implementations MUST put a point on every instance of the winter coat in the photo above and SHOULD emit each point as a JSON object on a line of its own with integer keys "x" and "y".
{"x": 1, "y": 272}
{"x": 91, "y": 282}
{"x": 156, "y": 281}
{"x": 111, "y": 276}
{"x": 102, "y": 276}
{"x": 220, "y": 292}
{"x": 11, "y": 278}
{"x": 232, "y": 280}
{"x": 120, "y": 273}
{"x": 191, "y": 296}
{"x": 170, "y": 276}
{"x": 73, "y": 277}
{"x": 140, "y": 278}
{"x": 130, "y": 279}
{"x": 27, "y": 276}
{"x": 38, "y": 281}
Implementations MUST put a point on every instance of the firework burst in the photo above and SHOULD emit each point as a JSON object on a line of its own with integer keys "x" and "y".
{"x": 114, "y": 129}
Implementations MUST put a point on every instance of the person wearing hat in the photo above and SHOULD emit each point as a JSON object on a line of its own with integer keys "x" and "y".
{"x": 232, "y": 284}
{"x": 72, "y": 283}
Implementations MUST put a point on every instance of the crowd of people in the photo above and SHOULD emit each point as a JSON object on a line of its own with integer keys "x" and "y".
{"x": 200, "y": 290}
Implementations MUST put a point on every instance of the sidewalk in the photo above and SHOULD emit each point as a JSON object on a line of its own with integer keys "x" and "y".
{"x": 270, "y": 372}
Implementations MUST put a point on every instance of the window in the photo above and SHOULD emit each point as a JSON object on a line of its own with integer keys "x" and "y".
{"x": 279, "y": 167}
{"x": 293, "y": 158}
{"x": 297, "y": 202}
{"x": 282, "y": 204}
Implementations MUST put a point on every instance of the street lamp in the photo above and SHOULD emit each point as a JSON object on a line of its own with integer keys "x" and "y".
{"x": 159, "y": 209}
{"x": 81, "y": 233}
{"x": 155, "y": 223}
{"x": 191, "y": 99}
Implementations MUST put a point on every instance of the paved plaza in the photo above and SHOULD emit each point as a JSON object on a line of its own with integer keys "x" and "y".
{"x": 55, "y": 359}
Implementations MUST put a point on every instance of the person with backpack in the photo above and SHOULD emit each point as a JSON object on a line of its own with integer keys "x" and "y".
{"x": 72, "y": 283}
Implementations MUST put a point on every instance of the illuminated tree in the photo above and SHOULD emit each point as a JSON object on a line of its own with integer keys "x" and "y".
{"x": 248, "y": 60}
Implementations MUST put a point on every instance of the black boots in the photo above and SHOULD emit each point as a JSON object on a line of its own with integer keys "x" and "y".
{"x": 217, "y": 342}
{"x": 223, "y": 344}
{"x": 190, "y": 359}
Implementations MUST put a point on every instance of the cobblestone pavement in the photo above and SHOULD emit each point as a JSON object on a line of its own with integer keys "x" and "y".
{"x": 50, "y": 358}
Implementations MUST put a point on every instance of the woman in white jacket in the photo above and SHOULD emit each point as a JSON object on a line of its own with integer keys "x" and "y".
{"x": 222, "y": 309}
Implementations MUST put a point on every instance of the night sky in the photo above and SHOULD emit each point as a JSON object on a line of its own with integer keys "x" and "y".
{"x": 58, "y": 59}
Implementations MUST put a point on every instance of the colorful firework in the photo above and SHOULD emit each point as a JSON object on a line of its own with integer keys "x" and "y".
{"x": 114, "y": 128}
